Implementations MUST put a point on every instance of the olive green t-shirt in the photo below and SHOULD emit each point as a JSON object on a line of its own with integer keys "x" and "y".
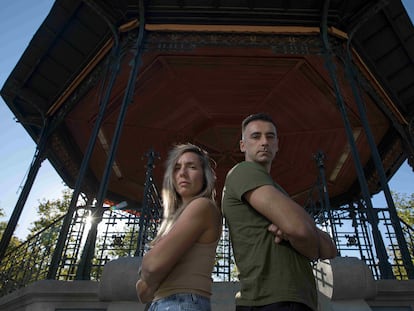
{"x": 268, "y": 272}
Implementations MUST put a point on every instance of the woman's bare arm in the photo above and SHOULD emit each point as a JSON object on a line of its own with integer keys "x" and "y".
{"x": 189, "y": 227}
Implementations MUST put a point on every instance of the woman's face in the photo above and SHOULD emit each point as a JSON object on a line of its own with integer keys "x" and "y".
{"x": 188, "y": 176}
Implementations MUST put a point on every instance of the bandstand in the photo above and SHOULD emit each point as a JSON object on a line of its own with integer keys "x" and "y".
{"x": 105, "y": 88}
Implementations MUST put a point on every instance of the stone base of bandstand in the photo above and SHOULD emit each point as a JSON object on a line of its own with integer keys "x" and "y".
{"x": 344, "y": 284}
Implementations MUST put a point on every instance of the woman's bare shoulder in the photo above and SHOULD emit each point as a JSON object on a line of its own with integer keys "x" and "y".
{"x": 202, "y": 201}
{"x": 203, "y": 206}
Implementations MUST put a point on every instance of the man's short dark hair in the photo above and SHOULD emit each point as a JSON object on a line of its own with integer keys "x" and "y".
{"x": 257, "y": 116}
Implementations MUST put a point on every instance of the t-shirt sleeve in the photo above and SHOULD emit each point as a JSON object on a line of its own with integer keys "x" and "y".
{"x": 247, "y": 176}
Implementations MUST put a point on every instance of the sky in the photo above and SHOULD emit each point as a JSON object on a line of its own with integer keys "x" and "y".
{"x": 19, "y": 20}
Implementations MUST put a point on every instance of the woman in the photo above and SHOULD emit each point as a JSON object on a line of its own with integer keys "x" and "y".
{"x": 176, "y": 271}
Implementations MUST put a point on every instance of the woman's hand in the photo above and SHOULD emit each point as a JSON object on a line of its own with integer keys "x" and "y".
{"x": 144, "y": 292}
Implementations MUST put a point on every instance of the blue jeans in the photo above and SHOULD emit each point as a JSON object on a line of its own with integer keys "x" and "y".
{"x": 181, "y": 302}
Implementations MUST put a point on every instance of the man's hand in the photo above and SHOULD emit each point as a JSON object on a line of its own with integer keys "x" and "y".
{"x": 279, "y": 235}
{"x": 327, "y": 246}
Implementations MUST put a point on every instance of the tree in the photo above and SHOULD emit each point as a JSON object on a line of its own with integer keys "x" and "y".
{"x": 9, "y": 260}
{"x": 43, "y": 234}
{"x": 404, "y": 205}
{"x": 14, "y": 242}
{"x": 49, "y": 210}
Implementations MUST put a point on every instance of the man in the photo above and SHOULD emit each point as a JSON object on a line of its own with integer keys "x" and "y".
{"x": 273, "y": 238}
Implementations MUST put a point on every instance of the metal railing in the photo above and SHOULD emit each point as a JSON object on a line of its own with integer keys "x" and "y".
{"x": 117, "y": 237}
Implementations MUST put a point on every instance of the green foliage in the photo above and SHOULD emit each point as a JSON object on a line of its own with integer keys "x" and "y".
{"x": 14, "y": 242}
{"x": 9, "y": 260}
{"x": 404, "y": 204}
{"x": 49, "y": 210}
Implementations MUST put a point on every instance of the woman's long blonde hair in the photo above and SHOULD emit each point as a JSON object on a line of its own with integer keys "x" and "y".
{"x": 171, "y": 200}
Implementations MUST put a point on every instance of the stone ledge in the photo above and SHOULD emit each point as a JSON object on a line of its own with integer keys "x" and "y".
{"x": 48, "y": 295}
{"x": 344, "y": 278}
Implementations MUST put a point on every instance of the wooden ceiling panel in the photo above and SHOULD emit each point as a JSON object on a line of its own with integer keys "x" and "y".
{"x": 203, "y": 99}
{"x": 221, "y": 84}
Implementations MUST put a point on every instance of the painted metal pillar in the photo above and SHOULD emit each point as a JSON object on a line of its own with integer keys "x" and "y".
{"x": 319, "y": 158}
{"x": 115, "y": 65}
{"x": 136, "y": 61}
{"x": 18, "y": 209}
{"x": 395, "y": 220}
{"x": 384, "y": 265}
{"x": 85, "y": 265}
{"x": 145, "y": 210}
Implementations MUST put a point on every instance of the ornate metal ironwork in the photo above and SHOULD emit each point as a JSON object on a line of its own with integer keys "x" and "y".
{"x": 118, "y": 232}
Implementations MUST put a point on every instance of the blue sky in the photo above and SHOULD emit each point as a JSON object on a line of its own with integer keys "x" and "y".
{"x": 19, "y": 20}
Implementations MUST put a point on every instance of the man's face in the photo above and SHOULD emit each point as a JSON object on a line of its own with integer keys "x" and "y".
{"x": 259, "y": 142}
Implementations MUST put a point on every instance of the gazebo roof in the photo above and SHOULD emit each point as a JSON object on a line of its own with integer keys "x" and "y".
{"x": 204, "y": 68}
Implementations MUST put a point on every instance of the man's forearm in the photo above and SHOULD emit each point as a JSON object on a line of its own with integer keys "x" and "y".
{"x": 324, "y": 249}
{"x": 307, "y": 246}
{"x": 327, "y": 248}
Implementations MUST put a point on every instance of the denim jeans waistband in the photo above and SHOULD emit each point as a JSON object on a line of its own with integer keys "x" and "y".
{"x": 182, "y": 301}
